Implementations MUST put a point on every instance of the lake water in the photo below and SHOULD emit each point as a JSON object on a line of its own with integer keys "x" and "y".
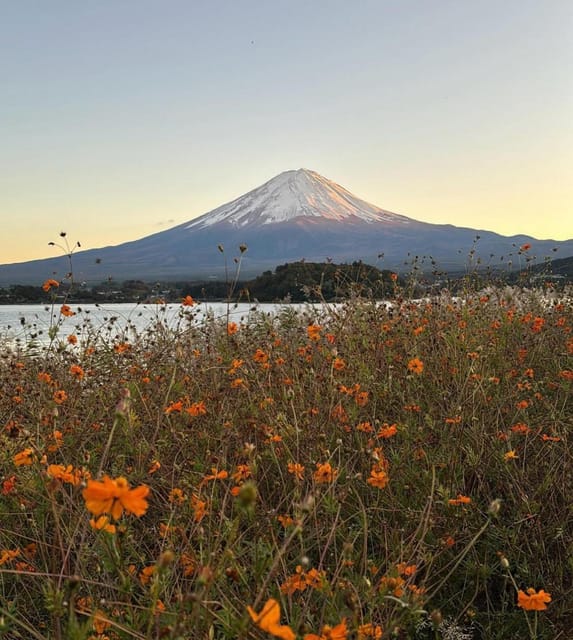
{"x": 32, "y": 322}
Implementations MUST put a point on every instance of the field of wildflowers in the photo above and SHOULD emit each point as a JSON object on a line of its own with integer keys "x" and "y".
{"x": 363, "y": 471}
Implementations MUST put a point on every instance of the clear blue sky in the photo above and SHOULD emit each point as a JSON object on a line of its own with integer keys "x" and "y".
{"x": 120, "y": 118}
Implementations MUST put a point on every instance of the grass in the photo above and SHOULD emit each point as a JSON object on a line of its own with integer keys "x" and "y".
{"x": 378, "y": 471}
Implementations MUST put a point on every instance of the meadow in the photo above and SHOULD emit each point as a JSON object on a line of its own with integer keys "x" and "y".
{"x": 360, "y": 471}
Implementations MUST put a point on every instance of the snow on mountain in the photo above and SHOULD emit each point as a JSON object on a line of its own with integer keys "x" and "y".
{"x": 294, "y": 194}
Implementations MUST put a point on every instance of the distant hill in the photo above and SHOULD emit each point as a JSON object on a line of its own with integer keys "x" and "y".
{"x": 297, "y": 215}
{"x": 307, "y": 281}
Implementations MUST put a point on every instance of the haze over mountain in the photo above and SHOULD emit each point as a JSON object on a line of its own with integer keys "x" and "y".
{"x": 295, "y": 215}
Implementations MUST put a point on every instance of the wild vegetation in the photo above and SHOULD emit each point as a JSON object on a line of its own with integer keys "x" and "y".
{"x": 360, "y": 470}
{"x": 300, "y": 282}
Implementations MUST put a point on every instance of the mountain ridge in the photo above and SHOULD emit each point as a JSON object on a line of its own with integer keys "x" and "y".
{"x": 297, "y": 215}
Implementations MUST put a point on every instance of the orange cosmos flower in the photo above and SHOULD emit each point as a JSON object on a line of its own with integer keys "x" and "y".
{"x": 24, "y": 458}
{"x": 174, "y": 407}
{"x": 113, "y": 496}
{"x": 196, "y": 409}
{"x": 60, "y": 396}
{"x": 176, "y": 496}
{"x": 313, "y": 332}
{"x": 339, "y": 632}
{"x": 8, "y": 555}
{"x": 241, "y": 474}
{"x": 215, "y": 475}
{"x": 260, "y": 356}
{"x": 48, "y": 284}
{"x": 65, "y": 474}
{"x": 102, "y": 524}
{"x": 520, "y": 428}
{"x": 387, "y": 431}
{"x": 45, "y": 377}
{"x": 199, "y": 508}
{"x": 154, "y": 466}
{"x": 378, "y": 477}
{"x": 547, "y": 438}
{"x": 187, "y": 301}
{"x": 338, "y": 364}
{"x": 286, "y": 521}
{"x": 525, "y": 247}
{"x": 77, "y": 371}
{"x": 510, "y": 455}
{"x": 268, "y": 620}
{"x": 232, "y": 328}
{"x": 460, "y": 500}
{"x": 415, "y": 365}
{"x": 533, "y": 600}
{"x": 365, "y": 427}
{"x": 72, "y": 339}
{"x": 324, "y": 473}
{"x": 406, "y": 569}
{"x": 393, "y": 585}
{"x": 294, "y": 583}
{"x": 296, "y": 469}
{"x": 369, "y": 630}
{"x": 8, "y": 485}
{"x": 66, "y": 311}
{"x": 537, "y": 324}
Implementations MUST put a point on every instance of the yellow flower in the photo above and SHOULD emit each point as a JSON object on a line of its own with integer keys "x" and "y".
{"x": 510, "y": 455}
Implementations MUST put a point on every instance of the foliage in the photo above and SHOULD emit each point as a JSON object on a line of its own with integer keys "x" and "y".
{"x": 306, "y": 281}
{"x": 360, "y": 470}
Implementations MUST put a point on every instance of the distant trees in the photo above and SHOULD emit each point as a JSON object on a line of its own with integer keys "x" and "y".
{"x": 297, "y": 281}
{"x": 313, "y": 281}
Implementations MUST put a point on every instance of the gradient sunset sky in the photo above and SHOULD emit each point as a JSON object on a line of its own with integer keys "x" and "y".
{"x": 121, "y": 118}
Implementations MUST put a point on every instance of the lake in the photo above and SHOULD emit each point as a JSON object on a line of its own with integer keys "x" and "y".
{"x": 21, "y": 324}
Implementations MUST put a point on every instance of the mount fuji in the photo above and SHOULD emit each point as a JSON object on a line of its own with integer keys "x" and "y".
{"x": 296, "y": 215}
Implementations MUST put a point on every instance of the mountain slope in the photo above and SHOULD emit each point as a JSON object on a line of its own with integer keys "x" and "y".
{"x": 297, "y": 215}
{"x": 293, "y": 194}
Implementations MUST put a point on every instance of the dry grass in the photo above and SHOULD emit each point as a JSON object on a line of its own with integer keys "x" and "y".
{"x": 348, "y": 464}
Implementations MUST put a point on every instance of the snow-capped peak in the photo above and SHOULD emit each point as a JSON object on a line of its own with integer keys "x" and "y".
{"x": 295, "y": 194}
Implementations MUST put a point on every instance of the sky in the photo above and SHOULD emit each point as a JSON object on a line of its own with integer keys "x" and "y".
{"x": 122, "y": 118}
